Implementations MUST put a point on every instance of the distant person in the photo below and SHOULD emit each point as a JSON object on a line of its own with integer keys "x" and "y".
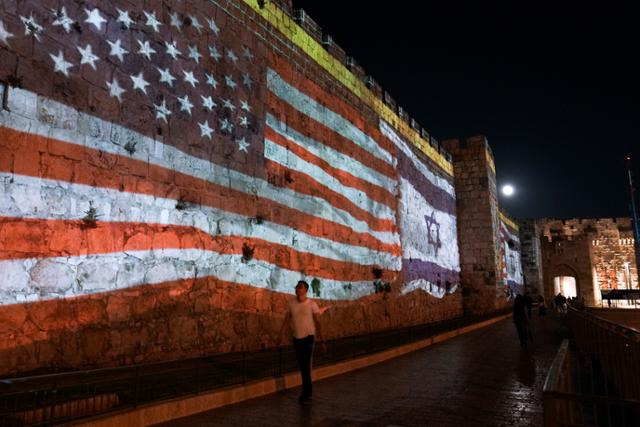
{"x": 528, "y": 301}
{"x": 521, "y": 320}
{"x": 561, "y": 303}
{"x": 302, "y": 318}
{"x": 542, "y": 309}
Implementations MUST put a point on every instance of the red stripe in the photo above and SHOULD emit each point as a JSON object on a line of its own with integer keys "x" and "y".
{"x": 37, "y": 156}
{"x": 334, "y": 103}
{"x": 38, "y": 238}
{"x": 374, "y": 192}
{"x": 304, "y": 184}
{"x": 311, "y": 128}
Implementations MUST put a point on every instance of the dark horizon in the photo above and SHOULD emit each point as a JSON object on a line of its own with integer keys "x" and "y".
{"x": 552, "y": 88}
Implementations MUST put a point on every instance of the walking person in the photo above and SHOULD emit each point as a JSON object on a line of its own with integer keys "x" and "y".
{"x": 302, "y": 318}
{"x": 521, "y": 320}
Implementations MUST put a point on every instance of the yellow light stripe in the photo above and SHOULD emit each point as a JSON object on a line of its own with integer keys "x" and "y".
{"x": 492, "y": 164}
{"x": 290, "y": 29}
{"x": 511, "y": 223}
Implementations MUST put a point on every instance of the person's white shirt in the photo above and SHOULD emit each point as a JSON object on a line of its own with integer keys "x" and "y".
{"x": 302, "y": 317}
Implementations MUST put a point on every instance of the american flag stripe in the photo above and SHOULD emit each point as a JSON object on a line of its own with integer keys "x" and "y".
{"x": 118, "y": 206}
{"x": 136, "y": 268}
{"x": 35, "y": 239}
{"x": 45, "y": 167}
{"x": 228, "y": 189}
{"x": 313, "y": 109}
{"x": 301, "y": 183}
{"x": 314, "y": 130}
{"x": 359, "y": 199}
{"x": 345, "y": 169}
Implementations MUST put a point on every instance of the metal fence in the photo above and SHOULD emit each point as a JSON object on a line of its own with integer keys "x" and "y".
{"x": 592, "y": 382}
{"x": 616, "y": 347}
{"x": 64, "y": 397}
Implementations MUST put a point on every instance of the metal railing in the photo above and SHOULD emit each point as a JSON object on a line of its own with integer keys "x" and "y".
{"x": 65, "y": 397}
{"x": 597, "y": 385}
{"x": 616, "y": 347}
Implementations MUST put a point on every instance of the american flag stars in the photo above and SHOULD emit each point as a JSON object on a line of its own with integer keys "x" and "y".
{"x": 62, "y": 19}
{"x": 183, "y": 78}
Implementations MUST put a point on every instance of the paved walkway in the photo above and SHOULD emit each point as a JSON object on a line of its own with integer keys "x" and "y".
{"x": 482, "y": 378}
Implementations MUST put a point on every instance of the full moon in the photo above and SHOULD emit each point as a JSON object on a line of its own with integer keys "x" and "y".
{"x": 508, "y": 190}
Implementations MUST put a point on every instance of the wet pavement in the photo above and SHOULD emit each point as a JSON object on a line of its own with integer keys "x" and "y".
{"x": 482, "y": 378}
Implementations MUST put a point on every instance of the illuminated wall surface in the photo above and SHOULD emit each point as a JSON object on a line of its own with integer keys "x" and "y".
{"x": 511, "y": 264}
{"x": 167, "y": 174}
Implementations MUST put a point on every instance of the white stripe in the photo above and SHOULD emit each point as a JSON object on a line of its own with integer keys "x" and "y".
{"x": 436, "y": 180}
{"x": 109, "y": 137}
{"x": 310, "y": 107}
{"x": 333, "y": 157}
{"x": 40, "y": 279}
{"x": 286, "y": 158}
{"x": 29, "y": 197}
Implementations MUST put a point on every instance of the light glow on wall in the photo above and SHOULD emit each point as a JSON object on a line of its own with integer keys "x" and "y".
{"x": 566, "y": 285}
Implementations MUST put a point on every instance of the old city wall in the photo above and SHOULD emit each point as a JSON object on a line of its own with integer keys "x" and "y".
{"x": 169, "y": 170}
{"x": 599, "y": 253}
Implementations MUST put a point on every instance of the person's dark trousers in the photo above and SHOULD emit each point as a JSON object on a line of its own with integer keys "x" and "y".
{"x": 521, "y": 326}
{"x": 304, "y": 351}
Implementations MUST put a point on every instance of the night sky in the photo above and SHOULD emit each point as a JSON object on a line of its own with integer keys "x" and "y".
{"x": 553, "y": 87}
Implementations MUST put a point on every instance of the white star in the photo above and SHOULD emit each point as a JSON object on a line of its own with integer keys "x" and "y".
{"x": 145, "y": 49}
{"x": 4, "y": 34}
{"x": 60, "y": 65}
{"x": 175, "y": 21}
{"x": 194, "y": 54}
{"x": 229, "y": 82}
{"x": 242, "y": 144}
{"x": 207, "y": 102}
{"x": 211, "y": 81}
{"x": 213, "y": 26}
{"x": 245, "y": 106}
{"x": 115, "y": 89}
{"x": 162, "y": 111}
{"x": 87, "y": 56}
{"x": 246, "y": 52}
{"x": 31, "y": 27}
{"x": 124, "y": 19}
{"x": 232, "y": 56}
{"x": 246, "y": 80}
{"x": 185, "y": 104}
{"x": 62, "y": 19}
{"x": 94, "y": 17}
{"x": 152, "y": 21}
{"x": 205, "y": 130}
{"x": 227, "y": 104}
{"x": 244, "y": 122}
{"x": 166, "y": 77}
{"x": 189, "y": 78}
{"x": 140, "y": 83}
{"x": 117, "y": 50}
{"x": 213, "y": 52}
{"x": 226, "y": 125}
{"x": 172, "y": 49}
{"x": 196, "y": 24}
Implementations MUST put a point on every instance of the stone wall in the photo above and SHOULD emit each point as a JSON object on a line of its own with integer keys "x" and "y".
{"x": 531, "y": 254}
{"x": 599, "y": 253}
{"x": 169, "y": 170}
{"x": 479, "y": 226}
